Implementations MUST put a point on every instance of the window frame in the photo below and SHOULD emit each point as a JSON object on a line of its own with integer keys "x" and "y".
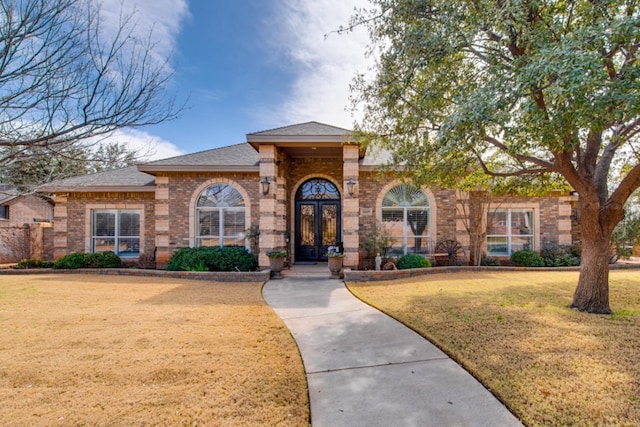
{"x": 509, "y": 236}
{"x": 117, "y": 236}
{"x": 223, "y": 211}
{"x": 4, "y": 212}
{"x": 406, "y": 235}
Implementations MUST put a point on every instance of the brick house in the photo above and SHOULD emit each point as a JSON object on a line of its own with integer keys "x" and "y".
{"x": 305, "y": 187}
{"x": 23, "y": 220}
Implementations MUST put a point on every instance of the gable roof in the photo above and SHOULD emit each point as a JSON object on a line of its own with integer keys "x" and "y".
{"x": 125, "y": 179}
{"x": 239, "y": 157}
{"x": 302, "y": 129}
{"x": 309, "y": 132}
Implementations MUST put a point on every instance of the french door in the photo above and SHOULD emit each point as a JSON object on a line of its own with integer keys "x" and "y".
{"x": 317, "y": 228}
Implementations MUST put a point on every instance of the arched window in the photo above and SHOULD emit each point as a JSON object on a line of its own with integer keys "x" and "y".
{"x": 317, "y": 189}
{"x": 220, "y": 217}
{"x": 405, "y": 219}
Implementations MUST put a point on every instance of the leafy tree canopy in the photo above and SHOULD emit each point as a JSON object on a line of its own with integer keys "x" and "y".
{"x": 518, "y": 90}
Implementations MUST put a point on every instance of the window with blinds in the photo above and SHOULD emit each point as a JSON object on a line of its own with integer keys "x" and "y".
{"x": 405, "y": 218}
{"x": 220, "y": 217}
{"x": 117, "y": 231}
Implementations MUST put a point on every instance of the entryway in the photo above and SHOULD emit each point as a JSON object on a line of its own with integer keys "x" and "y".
{"x": 318, "y": 220}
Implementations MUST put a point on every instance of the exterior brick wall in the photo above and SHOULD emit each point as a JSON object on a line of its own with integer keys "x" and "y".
{"x": 183, "y": 188}
{"x": 72, "y": 221}
{"x": 169, "y": 212}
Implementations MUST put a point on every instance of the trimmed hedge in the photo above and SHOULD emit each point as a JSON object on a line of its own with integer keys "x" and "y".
{"x": 413, "y": 261}
{"x": 33, "y": 263}
{"x": 80, "y": 260}
{"x": 212, "y": 258}
{"x": 527, "y": 258}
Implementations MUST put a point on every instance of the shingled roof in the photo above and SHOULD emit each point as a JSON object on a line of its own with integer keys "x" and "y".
{"x": 240, "y": 157}
{"x": 234, "y": 158}
{"x": 304, "y": 129}
{"x": 125, "y": 179}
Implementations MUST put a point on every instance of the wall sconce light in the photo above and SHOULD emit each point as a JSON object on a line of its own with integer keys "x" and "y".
{"x": 265, "y": 182}
{"x": 351, "y": 184}
{"x": 573, "y": 201}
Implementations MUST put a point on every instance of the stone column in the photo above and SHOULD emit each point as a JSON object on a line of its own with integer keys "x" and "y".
{"x": 163, "y": 249}
{"x": 60, "y": 227}
{"x": 272, "y": 205}
{"x": 350, "y": 205}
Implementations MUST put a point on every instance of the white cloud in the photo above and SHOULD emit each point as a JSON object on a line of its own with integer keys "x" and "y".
{"x": 325, "y": 62}
{"x": 160, "y": 18}
{"x": 151, "y": 147}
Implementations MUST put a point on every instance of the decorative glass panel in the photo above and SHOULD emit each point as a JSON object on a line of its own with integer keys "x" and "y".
{"x": 405, "y": 195}
{"x": 329, "y": 224}
{"x": 307, "y": 223}
{"x": 220, "y": 196}
{"x": 315, "y": 189}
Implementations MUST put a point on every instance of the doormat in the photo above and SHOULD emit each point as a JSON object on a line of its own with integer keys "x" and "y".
{"x": 305, "y": 263}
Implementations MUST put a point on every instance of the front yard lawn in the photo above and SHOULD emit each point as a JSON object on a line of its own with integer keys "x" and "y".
{"x": 114, "y": 350}
{"x": 515, "y": 333}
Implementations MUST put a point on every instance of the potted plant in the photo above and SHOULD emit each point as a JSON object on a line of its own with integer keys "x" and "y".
{"x": 276, "y": 262}
{"x": 334, "y": 257}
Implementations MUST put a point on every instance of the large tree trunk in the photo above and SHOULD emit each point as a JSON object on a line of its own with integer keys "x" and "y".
{"x": 592, "y": 292}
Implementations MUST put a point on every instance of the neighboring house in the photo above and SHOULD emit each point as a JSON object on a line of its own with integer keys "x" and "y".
{"x": 23, "y": 218}
{"x": 306, "y": 187}
{"x": 17, "y": 209}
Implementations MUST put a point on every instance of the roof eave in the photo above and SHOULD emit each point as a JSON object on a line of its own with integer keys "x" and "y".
{"x": 150, "y": 169}
{"x": 99, "y": 189}
{"x": 332, "y": 140}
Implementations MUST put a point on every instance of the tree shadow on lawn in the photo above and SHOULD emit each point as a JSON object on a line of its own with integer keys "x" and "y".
{"x": 550, "y": 364}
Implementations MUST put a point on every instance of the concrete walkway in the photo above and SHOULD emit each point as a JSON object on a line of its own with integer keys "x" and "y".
{"x": 365, "y": 369}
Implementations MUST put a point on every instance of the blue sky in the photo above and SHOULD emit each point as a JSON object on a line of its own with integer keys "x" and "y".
{"x": 249, "y": 65}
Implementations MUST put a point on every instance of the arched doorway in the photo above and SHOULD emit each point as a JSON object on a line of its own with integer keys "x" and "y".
{"x": 317, "y": 219}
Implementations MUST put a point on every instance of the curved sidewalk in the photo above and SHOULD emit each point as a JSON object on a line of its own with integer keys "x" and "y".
{"x": 366, "y": 369}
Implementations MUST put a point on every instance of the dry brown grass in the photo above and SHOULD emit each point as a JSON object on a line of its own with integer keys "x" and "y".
{"x": 515, "y": 332}
{"x": 101, "y": 350}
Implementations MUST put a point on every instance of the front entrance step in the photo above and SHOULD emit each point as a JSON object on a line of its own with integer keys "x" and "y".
{"x": 317, "y": 270}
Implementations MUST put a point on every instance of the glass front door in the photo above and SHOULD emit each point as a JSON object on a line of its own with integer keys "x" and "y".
{"x": 317, "y": 220}
{"x": 318, "y": 227}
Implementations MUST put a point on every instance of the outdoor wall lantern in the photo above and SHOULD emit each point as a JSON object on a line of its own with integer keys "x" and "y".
{"x": 573, "y": 201}
{"x": 351, "y": 184}
{"x": 265, "y": 182}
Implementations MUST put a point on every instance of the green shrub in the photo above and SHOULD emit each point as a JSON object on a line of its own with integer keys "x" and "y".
{"x": 71, "y": 261}
{"x": 97, "y": 260}
{"x": 558, "y": 256}
{"x": 33, "y": 263}
{"x": 106, "y": 260}
{"x": 189, "y": 259}
{"x": 527, "y": 258}
{"x": 413, "y": 261}
{"x": 234, "y": 258}
{"x": 490, "y": 261}
{"x": 212, "y": 258}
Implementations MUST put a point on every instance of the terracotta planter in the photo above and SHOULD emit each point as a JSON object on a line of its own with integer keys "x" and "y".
{"x": 276, "y": 264}
{"x": 335, "y": 266}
